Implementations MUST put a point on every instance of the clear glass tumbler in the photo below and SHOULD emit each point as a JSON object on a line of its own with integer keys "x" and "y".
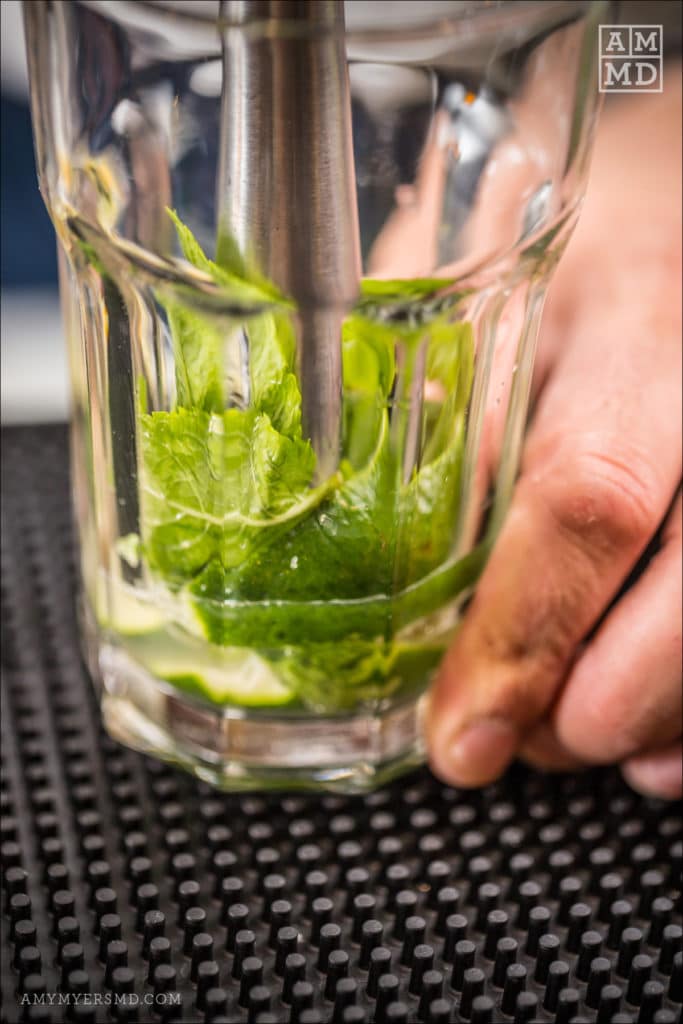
{"x": 304, "y": 248}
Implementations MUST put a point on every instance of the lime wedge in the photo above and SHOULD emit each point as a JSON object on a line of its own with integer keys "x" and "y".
{"x": 120, "y": 609}
{"x": 243, "y": 678}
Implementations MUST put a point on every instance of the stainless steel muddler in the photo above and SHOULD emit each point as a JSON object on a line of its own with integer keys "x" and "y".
{"x": 287, "y": 195}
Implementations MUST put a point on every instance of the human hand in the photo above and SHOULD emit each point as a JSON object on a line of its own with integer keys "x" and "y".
{"x": 546, "y": 665}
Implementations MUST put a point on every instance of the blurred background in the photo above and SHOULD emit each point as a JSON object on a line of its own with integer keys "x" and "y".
{"x": 33, "y": 366}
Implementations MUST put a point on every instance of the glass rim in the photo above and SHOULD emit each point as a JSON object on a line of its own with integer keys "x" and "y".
{"x": 469, "y": 18}
{"x": 172, "y": 272}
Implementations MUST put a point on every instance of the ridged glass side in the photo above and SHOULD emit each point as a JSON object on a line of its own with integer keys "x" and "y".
{"x": 257, "y": 606}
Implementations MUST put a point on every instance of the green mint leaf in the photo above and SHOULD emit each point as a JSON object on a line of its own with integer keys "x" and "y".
{"x": 450, "y": 363}
{"x": 199, "y": 343}
{"x": 338, "y": 547}
{"x": 212, "y": 484}
{"x": 430, "y": 504}
{"x": 378, "y": 290}
{"x": 231, "y": 275}
{"x": 329, "y": 677}
{"x": 274, "y": 387}
{"x": 429, "y": 511}
{"x": 450, "y": 356}
{"x": 198, "y": 357}
{"x": 228, "y": 254}
{"x": 281, "y": 401}
{"x": 369, "y": 369}
{"x": 368, "y": 355}
{"x": 181, "y": 466}
{"x": 191, "y": 249}
{"x": 282, "y": 468}
{"x": 230, "y": 515}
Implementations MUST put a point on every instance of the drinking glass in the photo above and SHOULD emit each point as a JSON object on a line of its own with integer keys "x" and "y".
{"x": 304, "y": 250}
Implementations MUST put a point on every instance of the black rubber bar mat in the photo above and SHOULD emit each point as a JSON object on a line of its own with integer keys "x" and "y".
{"x": 133, "y": 892}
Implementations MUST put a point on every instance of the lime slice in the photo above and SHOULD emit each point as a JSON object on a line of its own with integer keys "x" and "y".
{"x": 242, "y": 678}
{"x": 121, "y": 609}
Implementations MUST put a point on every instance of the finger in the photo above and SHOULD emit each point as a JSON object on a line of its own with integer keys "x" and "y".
{"x": 602, "y": 461}
{"x": 623, "y": 694}
{"x": 542, "y": 749}
{"x": 619, "y": 143}
{"x": 657, "y": 773}
{"x": 585, "y": 507}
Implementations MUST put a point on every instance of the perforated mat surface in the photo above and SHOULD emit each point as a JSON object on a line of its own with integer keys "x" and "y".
{"x": 133, "y": 892}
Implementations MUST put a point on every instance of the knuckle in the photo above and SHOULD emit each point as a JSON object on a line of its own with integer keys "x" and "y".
{"x": 605, "y": 501}
{"x": 615, "y": 730}
{"x": 612, "y": 722}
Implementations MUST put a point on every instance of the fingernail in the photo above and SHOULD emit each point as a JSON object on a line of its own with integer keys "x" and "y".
{"x": 656, "y": 774}
{"x": 479, "y": 753}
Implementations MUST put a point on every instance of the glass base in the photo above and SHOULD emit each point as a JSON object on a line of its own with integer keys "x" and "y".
{"x": 235, "y": 749}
